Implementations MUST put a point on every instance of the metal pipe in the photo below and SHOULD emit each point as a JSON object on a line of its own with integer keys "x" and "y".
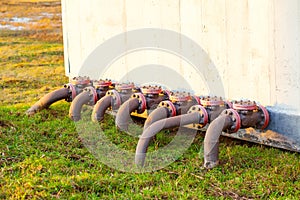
{"x": 228, "y": 120}
{"x": 88, "y": 96}
{"x": 101, "y": 106}
{"x": 156, "y": 115}
{"x": 123, "y": 115}
{"x": 76, "y": 105}
{"x": 48, "y": 99}
{"x": 153, "y": 129}
{"x": 170, "y": 110}
{"x": 211, "y": 141}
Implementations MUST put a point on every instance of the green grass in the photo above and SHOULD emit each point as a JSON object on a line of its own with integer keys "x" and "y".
{"x": 43, "y": 157}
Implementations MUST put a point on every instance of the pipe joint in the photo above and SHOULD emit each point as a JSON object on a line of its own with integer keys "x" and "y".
{"x": 151, "y": 90}
{"x": 142, "y": 102}
{"x": 76, "y": 86}
{"x": 81, "y": 81}
{"x": 116, "y": 99}
{"x": 211, "y": 101}
{"x": 228, "y": 104}
{"x": 266, "y": 117}
{"x": 196, "y": 99}
{"x": 213, "y": 105}
{"x": 154, "y": 95}
{"x": 251, "y": 114}
{"x": 203, "y": 120}
{"x": 93, "y": 94}
{"x": 170, "y": 107}
{"x": 72, "y": 92}
{"x": 229, "y": 121}
{"x": 183, "y": 101}
{"x": 125, "y": 87}
{"x": 102, "y": 86}
{"x": 235, "y": 120}
{"x": 180, "y": 96}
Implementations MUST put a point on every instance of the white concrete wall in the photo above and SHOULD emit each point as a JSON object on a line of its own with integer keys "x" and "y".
{"x": 253, "y": 44}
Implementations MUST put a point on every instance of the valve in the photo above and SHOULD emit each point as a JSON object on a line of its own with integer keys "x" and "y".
{"x": 251, "y": 114}
{"x": 102, "y": 86}
{"x": 211, "y": 101}
{"x": 180, "y": 96}
{"x": 180, "y": 102}
{"x": 151, "y": 90}
{"x": 214, "y": 106}
{"x": 81, "y": 81}
{"x": 244, "y": 105}
{"x": 121, "y": 93}
{"x": 149, "y": 97}
{"x": 76, "y": 86}
{"x": 154, "y": 94}
{"x": 124, "y": 87}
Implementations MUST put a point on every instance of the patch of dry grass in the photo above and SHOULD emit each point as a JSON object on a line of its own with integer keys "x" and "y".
{"x": 36, "y": 19}
{"x": 31, "y": 59}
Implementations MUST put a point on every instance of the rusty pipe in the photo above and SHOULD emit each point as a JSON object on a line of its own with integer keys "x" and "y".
{"x": 164, "y": 110}
{"x": 101, "y": 106}
{"x": 123, "y": 115}
{"x": 76, "y": 105}
{"x": 156, "y": 115}
{"x": 153, "y": 129}
{"x": 229, "y": 121}
{"x": 87, "y": 97}
{"x": 48, "y": 99}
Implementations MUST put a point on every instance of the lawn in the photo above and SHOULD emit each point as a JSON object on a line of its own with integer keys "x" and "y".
{"x": 43, "y": 157}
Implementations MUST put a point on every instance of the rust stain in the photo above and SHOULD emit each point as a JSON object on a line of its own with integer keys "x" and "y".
{"x": 267, "y": 134}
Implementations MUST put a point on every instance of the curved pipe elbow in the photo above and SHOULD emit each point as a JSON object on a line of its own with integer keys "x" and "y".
{"x": 228, "y": 120}
{"x": 154, "y": 128}
{"x": 77, "y": 103}
{"x": 99, "y": 109}
{"x": 156, "y": 115}
{"x": 123, "y": 115}
{"x": 48, "y": 99}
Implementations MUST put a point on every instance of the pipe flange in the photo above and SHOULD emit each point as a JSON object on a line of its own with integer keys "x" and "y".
{"x": 168, "y": 93}
{"x": 151, "y": 89}
{"x": 203, "y": 113}
{"x": 228, "y": 104}
{"x": 235, "y": 117}
{"x": 124, "y": 86}
{"x": 170, "y": 106}
{"x": 142, "y": 102}
{"x": 211, "y": 101}
{"x": 72, "y": 89}
{"x": 244, "y": 105}
{"x": 116, "y": 103}
{"x": 92, "y": 92}
{"x": 266, "y": 116}
{"x": 101, "y": 84}
{"x": 179, "y": 96}
{"x": 81, "y": 80}
{"x": 116, "y": 98}
{"x": 197, "y": 99}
